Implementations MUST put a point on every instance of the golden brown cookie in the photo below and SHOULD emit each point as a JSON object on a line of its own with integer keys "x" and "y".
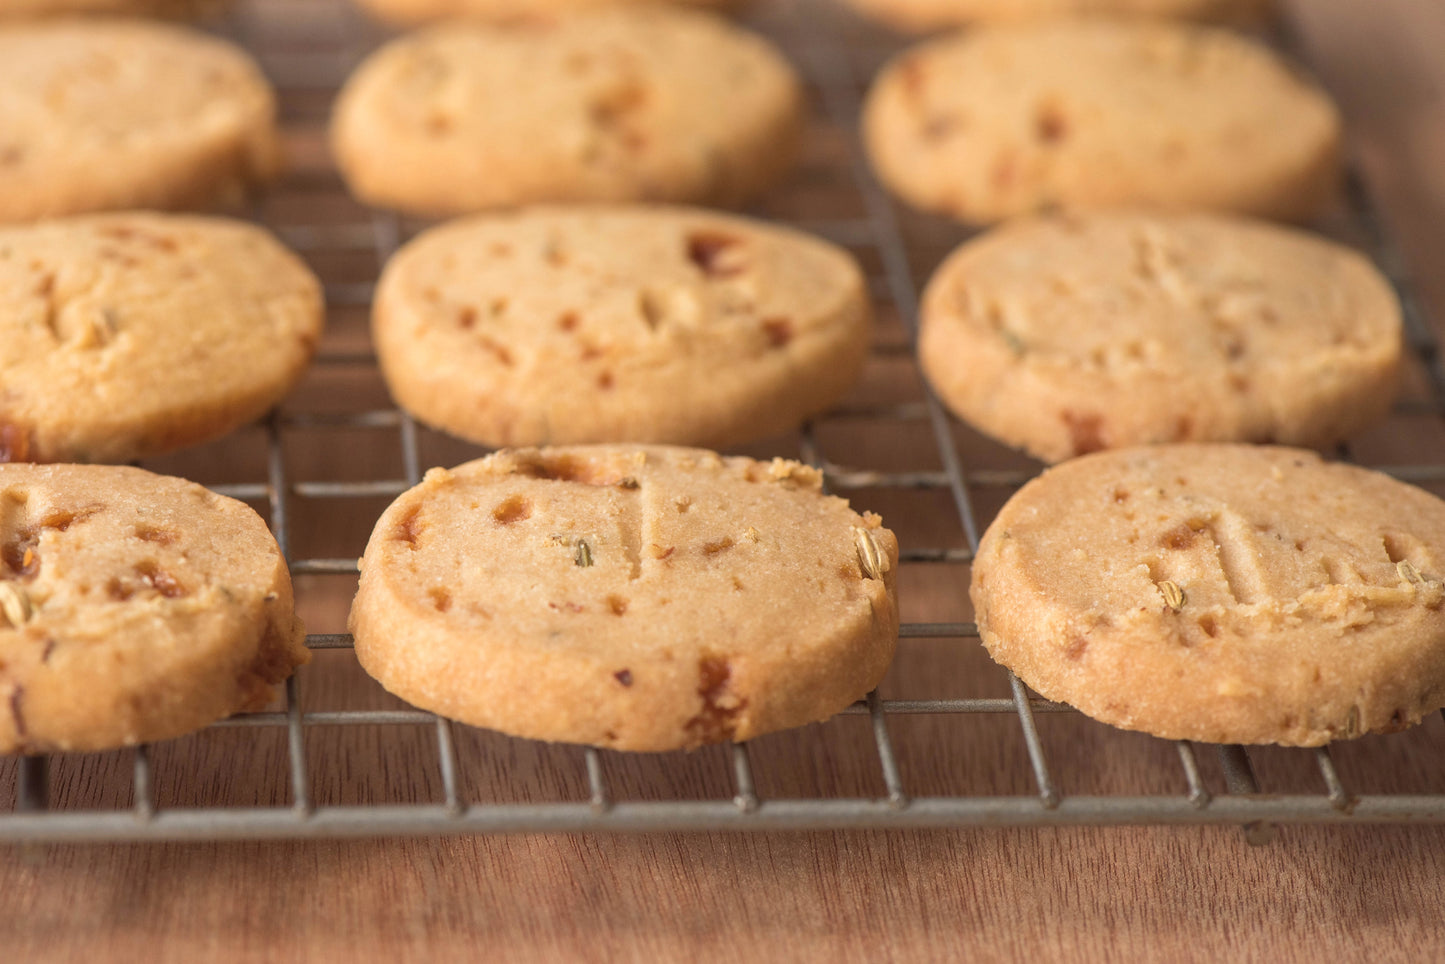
{"x": 29, "y": 9}
{"x": 597, "y": 324}
{"x": 113, "y": 114}
{"x": 133, "y": 607}
{"x": 1002, "y": 121}
{"x": 508, "y": 11}
{"x": 128, "y": 335}
{"x": 639, "y": 598}
{"x": 624, "y": 105}
{"x": 920, "y": 15}
{"x": 1222, "y": 593}
{"x": 1065, "y": 335}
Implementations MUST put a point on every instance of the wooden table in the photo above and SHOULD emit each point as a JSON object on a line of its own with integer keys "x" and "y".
{"x": 1074, "y": 894}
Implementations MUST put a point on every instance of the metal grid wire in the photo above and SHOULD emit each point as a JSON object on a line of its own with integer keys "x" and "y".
{"x": 829, "y": 56}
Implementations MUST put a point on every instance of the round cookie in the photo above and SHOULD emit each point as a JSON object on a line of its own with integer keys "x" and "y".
{"x": 128, "y": 335}
{"x": 598, "y": 324}
{"x": 656, "y": 104}
{"x": 507, "y": 11}
{"x": 638, "y": 598}
{"x": 114, "y": 114}
{"x": 921, "y": 15}
{"x": 1065, "y": 335}
{"x": 1221, "y": 593}
{"x": 26, "y": 9}
{"x": 1002, "y": 121}
{"x": 133, "y": 607}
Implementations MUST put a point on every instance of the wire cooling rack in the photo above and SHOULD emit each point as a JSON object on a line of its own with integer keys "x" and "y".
{"x": 950, "y": 739}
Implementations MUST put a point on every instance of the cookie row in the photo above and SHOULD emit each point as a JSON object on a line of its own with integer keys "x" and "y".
{"x": 665, "y": 106}
{"x": 981, "y": 126}
{"x": 628, "y": 597}
{"x": 635, "y": 598}
{"x": 393, "y": 11}
{"x": 539, "y": 326}
{"x": 902, "y": 14}
{"x": 911, "y": 15}
{"x": 671, "y": 105}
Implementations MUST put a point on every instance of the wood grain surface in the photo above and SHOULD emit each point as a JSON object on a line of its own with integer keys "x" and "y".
{"x": 1175, "y": 894}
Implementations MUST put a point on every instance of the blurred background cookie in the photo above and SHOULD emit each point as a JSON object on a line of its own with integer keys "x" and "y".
{"x": 30, "y": 9}
{"x": 921, "y": 15}
{"x": 646, "y": 324}
{"x": 127, "y": 335}
{"x": 1002, "y": 121}
{"x": 1068, "y": 334}
{"x": 510, "y": 11}
{"x": 113, "y": 114}
{"x": 661, "y": 104}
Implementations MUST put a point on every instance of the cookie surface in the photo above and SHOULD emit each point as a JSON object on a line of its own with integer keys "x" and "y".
{"x": 657, "y": 104}
{"x": 506, "y": 11}
{"x": 919, "y": 15}
{"x": 1005, "y": 120}
{"x": 1221, "y": 593}
{"x": 133, "y": 607}
{"x": 114, "y": 114}
{"x": 639, "y": 598}
{"x": 122, "y": 333}
{"x": 26, "y": 9}
{"x": 599, "y": 324}
{"x": 1066, "y": 335}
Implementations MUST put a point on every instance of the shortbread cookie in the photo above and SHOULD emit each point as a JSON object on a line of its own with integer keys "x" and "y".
{"x": 920, "y": 15}
{"x": 506, "y": 11}
{"x": 127, "y": 335}
{"x": 602, "y": 324}
{"x": 26, "y": 9}
{"x": 1222, "y": 593}
{"x": 655, "y": 104}
{"x": 1006, "y": 120}
{"x": 639, "y": 598}
{"x": 133, "y": 607}
{"x": 110, "y": 114}
{"x": 1066, "y": 335}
